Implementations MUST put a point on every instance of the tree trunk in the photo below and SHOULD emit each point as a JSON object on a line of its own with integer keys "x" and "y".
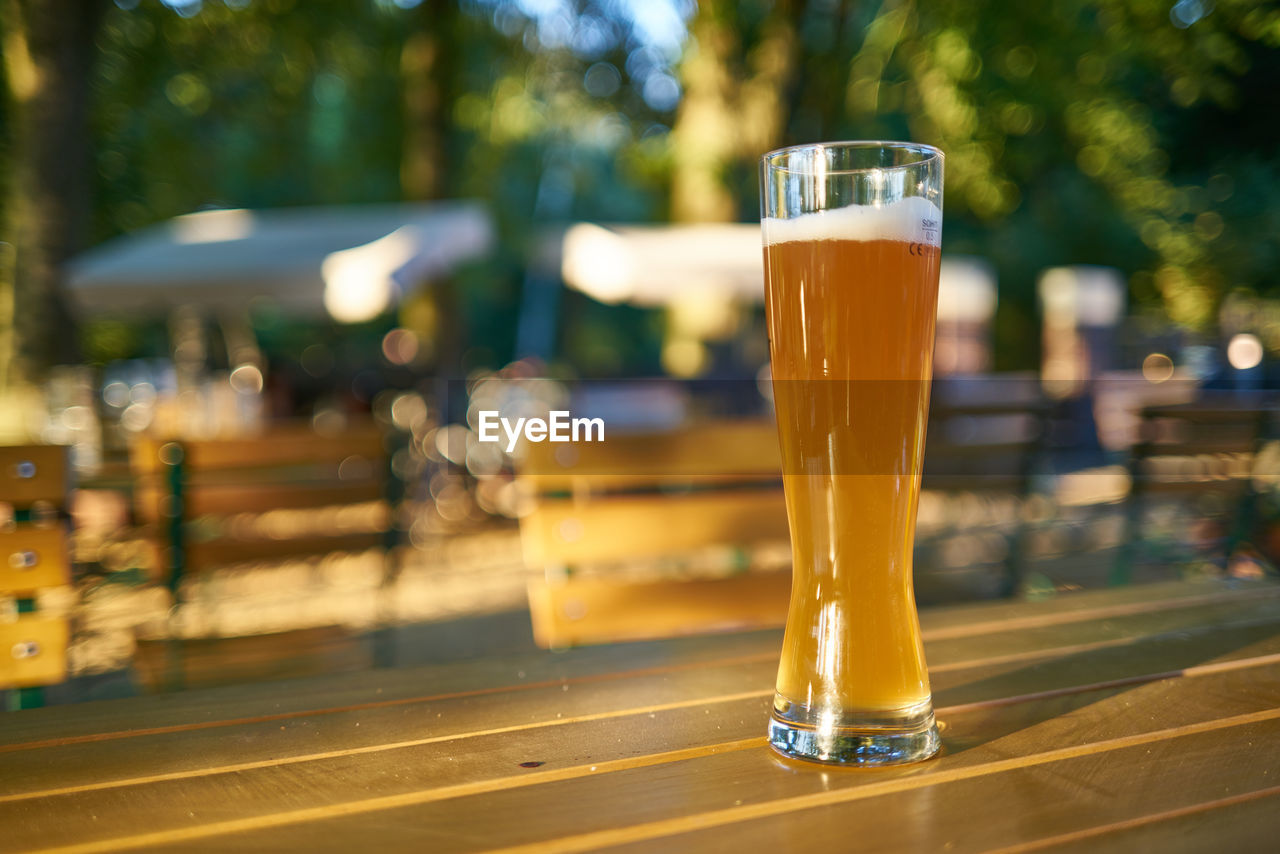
{"x": 705, "y": 127}
{"x": 49, "y": 52}
{"x": 733, "y": 109}
{"x": 427, "y": 63}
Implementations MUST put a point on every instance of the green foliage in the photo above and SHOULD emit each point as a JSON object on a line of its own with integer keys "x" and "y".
{"x": 274, "y": 102}
{"x": 258, "y": 104}
{"x": 1077, "y": 131}
{"x": 105, "y": 340}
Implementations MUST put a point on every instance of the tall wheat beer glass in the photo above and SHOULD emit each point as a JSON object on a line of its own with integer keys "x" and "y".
{"x": 851, "y": 249}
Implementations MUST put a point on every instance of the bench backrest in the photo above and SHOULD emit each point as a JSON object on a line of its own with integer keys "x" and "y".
{"x": 195, "y": 489}
{"x": 34, "y": 487}
{"x": 715, "y": 485}
{"x": 1200, "y": 454}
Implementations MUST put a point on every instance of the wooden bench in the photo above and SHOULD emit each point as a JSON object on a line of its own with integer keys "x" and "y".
{"x": 288, "y": 492}
{"x": 192, "y": 489}
{"x": 655, "y": 498}
{"x": 986, "y": 449}
{"x": 33, "y": 556}
{"x": 1200, "y": 453}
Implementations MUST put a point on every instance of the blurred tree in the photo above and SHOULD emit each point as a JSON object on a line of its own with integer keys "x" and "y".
{"x": 1065, "y": 123}
{"x": 528, "y": 106}
{"x": 429, "y": 66}
{"x": 245, "y": 104}
{"x": 1066, "y": 134}
{"x": 1134, "y": 133}
{"x": 739, "y": 62}
{"x": 48, "y": 54}
{"x": 567, "y": 115}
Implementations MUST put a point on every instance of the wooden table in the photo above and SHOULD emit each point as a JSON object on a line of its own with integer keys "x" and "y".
{"x": 1144, "y": 718}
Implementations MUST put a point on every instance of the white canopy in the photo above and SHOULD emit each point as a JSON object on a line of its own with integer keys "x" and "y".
{"x": 659, "y": 264}
{"x": 352, "y": 260}
{"x": 664, "y": 265}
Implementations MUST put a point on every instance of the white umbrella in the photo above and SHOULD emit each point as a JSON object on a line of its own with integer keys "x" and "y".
{"x": 352, "y": 260}
{"x": 663, "y": 265}
{"x": 660, "y": 264}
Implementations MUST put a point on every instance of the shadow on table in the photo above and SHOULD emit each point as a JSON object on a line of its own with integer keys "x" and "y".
{"x": 211, "y": 662}
{"x": 1029, "y": 696}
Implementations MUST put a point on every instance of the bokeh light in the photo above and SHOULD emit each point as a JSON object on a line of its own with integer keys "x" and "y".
{"x": 1157, "y": 368}
{"x": 1245, "y": 351}
{"x": 400, "y": 346}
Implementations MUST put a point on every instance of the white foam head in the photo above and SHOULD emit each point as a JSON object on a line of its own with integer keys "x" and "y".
{"x": 910, "y": 220}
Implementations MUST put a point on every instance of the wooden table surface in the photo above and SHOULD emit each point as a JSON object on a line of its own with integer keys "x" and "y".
{"x": 1144, "y": 718}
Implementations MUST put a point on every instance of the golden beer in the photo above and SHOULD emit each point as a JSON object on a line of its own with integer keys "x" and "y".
{"x": 851, "y": 297}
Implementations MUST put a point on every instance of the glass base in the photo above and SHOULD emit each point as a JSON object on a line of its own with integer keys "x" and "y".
{"x": 863, "y": 738}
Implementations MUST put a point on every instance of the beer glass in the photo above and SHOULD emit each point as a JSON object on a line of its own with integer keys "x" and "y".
{"x": 851, "y": 250}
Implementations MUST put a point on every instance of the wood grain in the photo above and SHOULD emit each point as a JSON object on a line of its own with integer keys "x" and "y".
{"x": 282, "y": 445}
{"x": 1166, "y": 772}
{"x": 323, "y": 695}
{"x": 577, "y": 611}
{"x": 1070, "y": 724}
{"x": 320, "y": 696}
{"x": 713, "y": 450}
{"x": 1249, "y": 821}
{"x": 969, "y": 620}
{"x": 181, "y": 756}
{"x": 224, "y": 552}
{"x": 636, "y": 526}
{"x": 253, "y": 658}
{"x": 1121, "y": 826}
{"x": 223, "y": 499}
{"x": 655, "y": 800}
{"x": 434, "y": 762}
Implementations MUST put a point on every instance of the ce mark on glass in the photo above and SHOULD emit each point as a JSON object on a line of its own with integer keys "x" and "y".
{"x": 918, "y": 248}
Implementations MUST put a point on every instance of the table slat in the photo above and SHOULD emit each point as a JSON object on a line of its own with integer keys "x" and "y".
{"x": 635, "y": 758}
{"x": 319, "y": 695}
{"x": 1108, "y": 715}
{"x": 662, "y": 797}
{"x": 1249, "y": 821}
{"x": 987, "y": 813}
{"x": 370, "y": 729}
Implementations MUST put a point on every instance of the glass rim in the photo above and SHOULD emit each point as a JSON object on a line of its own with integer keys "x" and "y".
{"x": 931, "y": 154}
